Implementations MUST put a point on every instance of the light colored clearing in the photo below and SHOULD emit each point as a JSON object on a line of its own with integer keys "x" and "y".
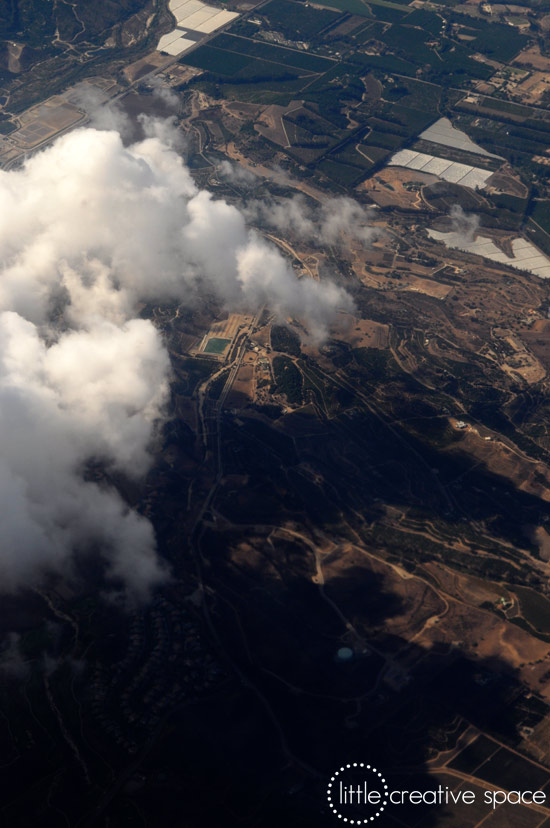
{"x": 242, "y": 388}
{"x": 143, "y": 66}
{"x": 533, "y": 57}
{"x": 230, "y": 327}
{"x": 472, "y": 177}
{"x": 526, "y": 256}
{"x": 364, "y": 333}
{"x": 196, "y": 16}
{"x": 412, "y": 283}
{"x": 396, "y": 185}
{"x": 534, "y": 86}
{"x": 271, "y": 125}
{"x": 443, "y": 132}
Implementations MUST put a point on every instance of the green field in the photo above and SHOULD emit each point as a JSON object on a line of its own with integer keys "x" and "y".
{"x": 362, "y": 8}
{"x": 296, "y": 21}
{"x": 535, "y": 608}
{"x": 496, "y": 40}
{"x": 370, "y": 30}
{"x": 411, "y": 120}
{"x": 258, "y": 70}
{"x": 513, "y": 109}
{"x": 288, "y": 379}
{"x": 386, "y": 63}
{"x": 429, "y": 21}
{"x": 540, "y": 237}
{"x": 247, "y": 63}
{"x": 387, "y": 13}
{"x": 275, "y": 54}
{"x": 499, "y": 42}
{"x": 450, "y": 62}
{"x": 342, "y": 174}
{"x": 216, "y": 345}
{"x": 411, "y": 41}
{"x": 540, "y": 213}
{"x": 414, "y": 94}
{"x": 383, "y": 139}
{"x": 217, "y": 60}
{"x": 375, "y": 153}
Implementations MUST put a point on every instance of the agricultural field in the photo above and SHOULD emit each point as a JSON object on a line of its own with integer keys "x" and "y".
{"x": 387, "y": 12}
{"x": 474, "y": 755}
{"x": 215, "y": 345}
{"x": 495, "y": 40}
{"x": 535, "y": 609}
{"x": 540, "y": 213}
{"x": 296, "y": 21}
{"x": 512, "y": 772}
{"x": 251, "y": 70}
{"x": 367, "y": 9}
{"x": 382, "y": 97}
{"x": 368, "y": 31}
{"x": 409, "y": 104}
{"x": 268, "y": 52}
{"x": 288, "y": 379}
{"x": 218, "y": 61}
{"x": 415, "y": 94}
{"x": 383, "y": 139}
{"x": 344, "y": 174}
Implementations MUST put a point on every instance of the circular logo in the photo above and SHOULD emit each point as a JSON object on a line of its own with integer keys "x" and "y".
{"x": 357, "y": 793}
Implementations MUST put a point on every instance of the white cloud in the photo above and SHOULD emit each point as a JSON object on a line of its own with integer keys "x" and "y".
{"x": 91, "y": 394}
{"x": 165, "y": 93}
{"x": 464, "y": 224}
{"x": 89, "y": 229}
{"x": 237, "y": 175}
{"x": 334, "y": 222}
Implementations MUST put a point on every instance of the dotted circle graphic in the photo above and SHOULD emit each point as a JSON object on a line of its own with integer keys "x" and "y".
{"x": 334, "y": 779}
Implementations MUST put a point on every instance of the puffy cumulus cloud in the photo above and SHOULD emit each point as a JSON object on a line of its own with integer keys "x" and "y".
{"x": 94, "y": 393}
{"x": 104, "y": 225}
{"x": 332, "y": 222}
{"x": 90, "y": 228}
